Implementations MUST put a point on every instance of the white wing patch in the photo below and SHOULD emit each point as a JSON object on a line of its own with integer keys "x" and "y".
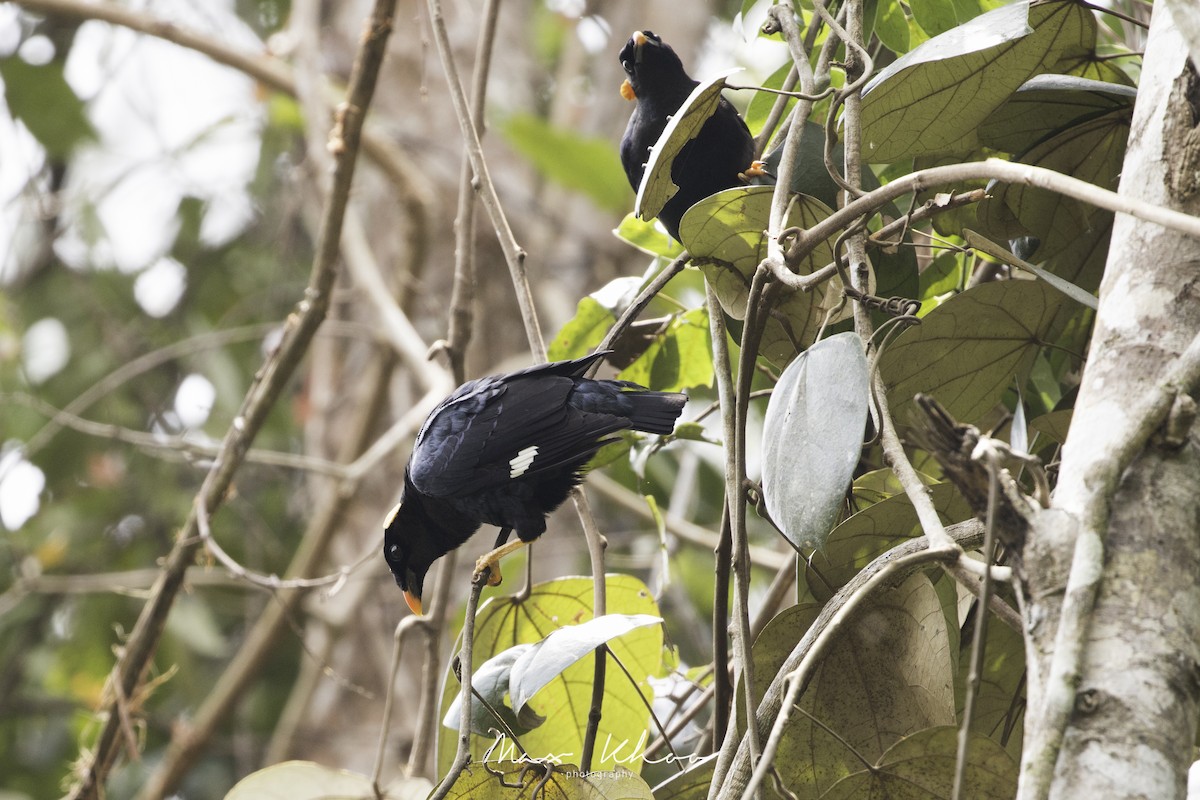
{"x": 521, "y": 461}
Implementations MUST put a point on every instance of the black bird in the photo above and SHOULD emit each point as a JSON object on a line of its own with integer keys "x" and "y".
{"x": 713, "y": 161}
{"x": 506, "y": 450}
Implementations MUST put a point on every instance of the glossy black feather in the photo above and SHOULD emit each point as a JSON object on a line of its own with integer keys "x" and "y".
{"x": 706, "y": 165}
{"x": 506, "y": 450}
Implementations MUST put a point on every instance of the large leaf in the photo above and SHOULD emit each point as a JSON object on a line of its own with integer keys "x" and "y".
{"x": 868, "y": 534}
{"x": 647, "y": 236}
{"x": 1047, "y": 104}
{"x": 921, "y": 767}
{"x": 305, "y": 780}
{"x": 522, "y": 780}
{"x": 931, "y": 100}
{"x": 887, "y": 676}
{"x": 1000, "y": 702}
{"x": 678, "y": 357}
{"x": 491, "y": 682}
{"x": 691, "y": 784}
{"x": 541, "y": 663}
{"x": 657, "y": 187}
{"x": 503, "y": 622}
{"x": 588, "y": 165}
{"x": 968, "y": 350}
{"x": 812, "y": 437}
{"x": 725, "y": 235}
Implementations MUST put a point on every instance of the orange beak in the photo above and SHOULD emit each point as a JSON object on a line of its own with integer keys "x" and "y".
{"x": 639, "y": 38}
{"x": 414, "y": 602}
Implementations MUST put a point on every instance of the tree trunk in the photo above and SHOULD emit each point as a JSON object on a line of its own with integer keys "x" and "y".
{"x": 1133, "y": 720}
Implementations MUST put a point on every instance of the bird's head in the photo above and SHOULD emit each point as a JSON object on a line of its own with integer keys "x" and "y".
{"x": 405, "y": 548}
{"x": 651, "y": 67}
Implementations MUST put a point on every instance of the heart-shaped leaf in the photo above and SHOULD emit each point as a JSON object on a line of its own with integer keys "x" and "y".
{"x": 546, "y": 660}
{"x": 812, "y": 436}
{"x": 657, "y": 187}
{"x": 932, "y": 100}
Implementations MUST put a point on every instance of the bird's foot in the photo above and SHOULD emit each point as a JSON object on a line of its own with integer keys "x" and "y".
{"x": 491, "y": 562}
{"x": 757, "y": 169}
{"x": 492, "y": 568}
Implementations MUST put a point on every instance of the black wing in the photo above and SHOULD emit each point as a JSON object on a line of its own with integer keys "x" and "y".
{"x": 480, "y": 437}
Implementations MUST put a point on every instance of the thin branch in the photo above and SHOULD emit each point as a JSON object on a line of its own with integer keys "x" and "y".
{"x": 979, "y": 638}
{"x": 268, "y": 386}
{"x": 723, "y": 552}
{"x": 514, "y": 256}
{"x": 182, "y": 446}
{"x": 680, "y": 527}
{"x": 466, "y": 667}
{"x": 991, "y": 169}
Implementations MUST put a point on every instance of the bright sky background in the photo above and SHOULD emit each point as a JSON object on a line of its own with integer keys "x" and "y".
{"x": 171, "y": 124}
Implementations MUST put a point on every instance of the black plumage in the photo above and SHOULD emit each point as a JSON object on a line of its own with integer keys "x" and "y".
{"x": 714, "y": 160}
{"x": 506, "y": 450}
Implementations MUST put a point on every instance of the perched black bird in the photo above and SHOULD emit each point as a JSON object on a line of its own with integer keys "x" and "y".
{"x": 506, "y": 450}
{"x": 713, "y": 161}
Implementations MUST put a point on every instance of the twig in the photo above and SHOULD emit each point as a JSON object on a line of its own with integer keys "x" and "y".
{"x": 462, "y": 294}
{"x": 723, "y": 687}
{"x": 269, "y": 384}
{"x": 651, "y": 290}
{"x": 595, "y": 544}
{"x": 466, "y": 667}
{"x": 180, "y": 445}
{"x": 402, "y": 629}
{"x": 514, "y": 256}
{"x": 680, "y": 527}
{"x": 991, "y": 169}
{"x": 979, "y": 638}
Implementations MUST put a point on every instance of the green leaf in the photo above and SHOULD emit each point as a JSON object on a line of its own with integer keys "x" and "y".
{"x": 545, "y": 661}
{"x": 521, "y": 780}
{"x": 725, "y": 235}
{"x": 934, "y": 16}
{"x": 40, "y": 97}
{"x": 891, "y": 26}
{"x": 921, "y": 767}
{"x": 812, "y": 437}
{"x": 943, "y": 276}
{"x": 999, "y": 704}
{"x": 305, "y": 780}
{"x": 582, "y": 332}
{"x": 1055, "y": 424}
{"x": 588, "y": 165}
{"x": 809, "y": 176}
{"x": 1091, "y": 149}
{"x": 657, "y": 187}
{"x": 691, "y": 784}
{"x": 491, "y": 682}
{"x": 1047, "y": 104}
{"x": 985, "y": 245}
{"x": 762, "y": 102}
{"x": 679, "y": 358}
{"x": 648, "y": 237}
{"x": 931, "y": 100}
{"x": 870, "y": 533}
{"x": 503, "y": 622}
{"x": 968, "y": 350}
{"x": 888, "y": 675}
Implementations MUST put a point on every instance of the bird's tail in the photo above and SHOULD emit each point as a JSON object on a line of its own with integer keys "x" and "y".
{"x": 654, "y": 412}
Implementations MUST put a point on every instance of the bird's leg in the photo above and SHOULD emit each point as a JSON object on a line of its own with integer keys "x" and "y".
{"x": 491, "y": 561}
